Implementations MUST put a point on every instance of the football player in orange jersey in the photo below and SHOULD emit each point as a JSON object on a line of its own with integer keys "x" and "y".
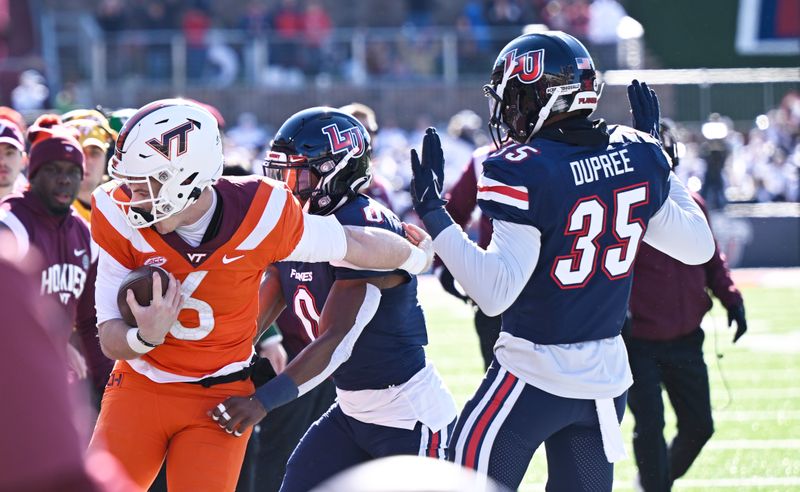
{"x": 193, "y": 346}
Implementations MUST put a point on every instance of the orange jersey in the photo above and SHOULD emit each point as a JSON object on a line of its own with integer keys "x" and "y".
{"x": 261, "y": 222}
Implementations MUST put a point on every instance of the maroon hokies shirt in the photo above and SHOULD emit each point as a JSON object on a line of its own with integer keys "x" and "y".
{"x": 69, "y": 268}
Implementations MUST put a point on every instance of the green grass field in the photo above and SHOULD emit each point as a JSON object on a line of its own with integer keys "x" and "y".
{"x": 756, "y": 445}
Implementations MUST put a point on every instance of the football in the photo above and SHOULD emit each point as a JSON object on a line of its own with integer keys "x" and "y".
{"x": 140, "y": 281}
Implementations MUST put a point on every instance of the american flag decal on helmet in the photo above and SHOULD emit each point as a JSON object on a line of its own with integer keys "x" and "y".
{"x": 584, "y": 63}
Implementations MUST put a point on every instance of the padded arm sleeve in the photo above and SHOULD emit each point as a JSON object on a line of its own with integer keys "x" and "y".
{"x": 323, "y": 239}
{"x": 679, "y": 228}
{"x": 493, "y": 278}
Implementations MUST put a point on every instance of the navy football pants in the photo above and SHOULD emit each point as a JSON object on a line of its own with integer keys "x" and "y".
{"x": 336, "y": 442}
{"x": 505, "y": 422}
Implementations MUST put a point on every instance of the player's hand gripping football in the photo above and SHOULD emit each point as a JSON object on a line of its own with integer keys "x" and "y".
{"x": 236, "y": 414}
{"x": 428, "y": 174}
{"x": 645, "y": 109}
{"x": 155, "y": 320}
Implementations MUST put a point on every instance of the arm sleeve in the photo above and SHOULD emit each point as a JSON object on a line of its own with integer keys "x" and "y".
{"x": 323, "y": 239}
{"x": 493, "y": 278}
{"x": 110, "y": 274}
{"x": 679, "y": 228}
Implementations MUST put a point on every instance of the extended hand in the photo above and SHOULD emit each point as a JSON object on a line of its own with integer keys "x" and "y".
{"x": 737, "y": 314}
{"x": 426, "y": 185}
{"x": 237, "y": 413}
{"x": 154, "y": 321}
{"x": 645, "y": 109}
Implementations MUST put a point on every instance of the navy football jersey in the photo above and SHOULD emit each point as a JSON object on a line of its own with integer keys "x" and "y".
{"x": 592, "y": 206}
{"x": 389, "y": 350}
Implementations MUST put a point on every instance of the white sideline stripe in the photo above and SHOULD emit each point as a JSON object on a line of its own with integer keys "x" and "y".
{"x": 762, "y": 393}
{"x": 753, "y": 444}
{"x": 267, "y": 221}
{"x": 749, "y": 415}
{"x": 737, "y": 482}
{"x": 695, "y": 483}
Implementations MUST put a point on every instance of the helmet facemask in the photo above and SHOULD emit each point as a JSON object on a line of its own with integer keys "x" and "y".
{"x": 323, "y": 155}
{"x": 314, "y": 182}
{"x": 171, "y": 198}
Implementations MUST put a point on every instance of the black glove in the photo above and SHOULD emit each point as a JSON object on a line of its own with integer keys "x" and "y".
{"x": 428, "y": 175}
{"x": 645, "y": 110}
{"x": 737, "y": 314}
{"x": 449, "y": 284}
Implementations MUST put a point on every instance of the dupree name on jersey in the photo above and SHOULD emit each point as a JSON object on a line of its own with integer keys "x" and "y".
{"x": 612, "y": 164}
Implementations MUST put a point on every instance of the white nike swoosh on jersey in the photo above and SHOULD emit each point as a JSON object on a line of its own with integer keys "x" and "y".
{"x": 226, "y": 260}
{"x": 79, "y": 252}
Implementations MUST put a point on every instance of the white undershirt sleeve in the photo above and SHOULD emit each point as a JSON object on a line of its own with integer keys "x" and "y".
{"x": 679, "y": 228}
{"x": 369, "y": 307}
{"x": 110, "y": 274}
{"x": 493, "y": 278}
{"x": 323, "y": 239}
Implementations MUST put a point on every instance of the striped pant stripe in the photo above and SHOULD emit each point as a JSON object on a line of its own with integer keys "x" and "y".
{"x": 484, "y": 422}
{"x": 432, "y": 444}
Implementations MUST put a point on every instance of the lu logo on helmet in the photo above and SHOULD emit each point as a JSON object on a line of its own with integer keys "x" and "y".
{"x": 528, "y": 67}
{"x": 343, "y": 141}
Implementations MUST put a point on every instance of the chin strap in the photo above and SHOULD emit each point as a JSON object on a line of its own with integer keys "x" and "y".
{"x": 544, "y": 113}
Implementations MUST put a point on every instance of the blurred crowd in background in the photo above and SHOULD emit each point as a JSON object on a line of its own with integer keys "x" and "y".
{"x": 726, "y": 161}
{"x": 724, "y": 165}
{"x": 304, "y": 42}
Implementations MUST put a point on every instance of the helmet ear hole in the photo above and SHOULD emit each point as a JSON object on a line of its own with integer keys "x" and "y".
{"x": 189, "y": 180}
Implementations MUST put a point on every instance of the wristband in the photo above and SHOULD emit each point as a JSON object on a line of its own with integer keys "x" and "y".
{"x": 136, "y": 343}
{"x": 436, "y": 221}
{"x": 415, "y": 262}
{"x": 278, "y": 391}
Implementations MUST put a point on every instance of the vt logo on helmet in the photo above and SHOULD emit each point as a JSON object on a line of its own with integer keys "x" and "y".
{"x": 163, "y": 145}
{"x": 323, "y": 155}
{"x": 535, "y": 77}
{"x": 167, "y": 153}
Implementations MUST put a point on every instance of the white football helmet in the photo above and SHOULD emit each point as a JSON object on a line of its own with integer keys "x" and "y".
{"x": 175, "y": 142}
